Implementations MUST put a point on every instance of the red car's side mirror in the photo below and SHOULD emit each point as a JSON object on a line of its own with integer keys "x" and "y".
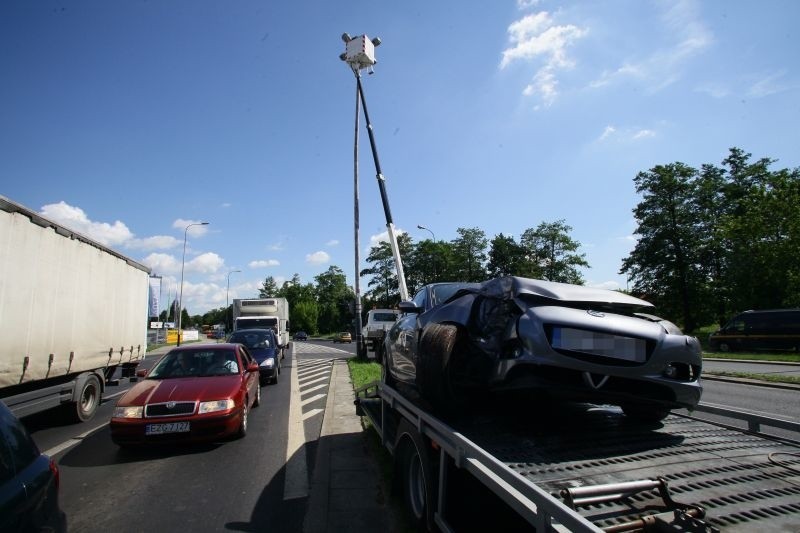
{"x": 141, "y": 373}
{"x": 252, "y": 367}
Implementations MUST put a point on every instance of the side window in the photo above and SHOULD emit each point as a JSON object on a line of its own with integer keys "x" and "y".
{"x": 420, "y": 299}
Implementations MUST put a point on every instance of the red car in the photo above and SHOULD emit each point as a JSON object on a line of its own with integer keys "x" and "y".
{"x": 193, "y": 393}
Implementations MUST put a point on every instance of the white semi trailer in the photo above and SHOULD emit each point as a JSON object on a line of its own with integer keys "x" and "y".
{"x": 72, "y": 312}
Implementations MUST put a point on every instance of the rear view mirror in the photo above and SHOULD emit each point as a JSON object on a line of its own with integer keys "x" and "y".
{"x": 409, "y": 307}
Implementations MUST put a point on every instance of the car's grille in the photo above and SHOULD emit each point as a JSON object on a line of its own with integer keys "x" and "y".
{"x": 169, "y": 409}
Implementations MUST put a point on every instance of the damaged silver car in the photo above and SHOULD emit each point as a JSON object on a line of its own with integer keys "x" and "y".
{"x": 516, "y": 334}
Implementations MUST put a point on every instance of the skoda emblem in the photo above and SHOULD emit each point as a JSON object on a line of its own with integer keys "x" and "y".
{"x": 170, "y": 405}
{"x": 598, "y": 314}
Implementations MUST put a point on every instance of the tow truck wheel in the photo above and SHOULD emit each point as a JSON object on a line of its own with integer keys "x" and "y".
{"x": 416, "y": 479}
{"x": 88, "y": 399}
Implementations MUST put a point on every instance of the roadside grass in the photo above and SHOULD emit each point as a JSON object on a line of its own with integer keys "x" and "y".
{"x": 363, "y": 373}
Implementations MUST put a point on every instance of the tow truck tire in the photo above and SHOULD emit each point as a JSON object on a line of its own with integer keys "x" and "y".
{"x": 87, "y": 399}
{"x": 417, "y": 481}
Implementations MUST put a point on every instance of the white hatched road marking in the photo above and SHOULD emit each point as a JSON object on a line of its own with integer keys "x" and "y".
{"x": 307, "y": 376}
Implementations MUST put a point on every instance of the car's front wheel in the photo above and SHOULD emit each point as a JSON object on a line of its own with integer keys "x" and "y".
{"x": 243, "y": 424}
{"x": 435, "y": 367}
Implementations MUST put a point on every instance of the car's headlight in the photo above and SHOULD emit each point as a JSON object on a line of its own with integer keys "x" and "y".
{"x": 130, "y": 411}
{"x": 216, "y": 405}
{"x": 269, "y": 362}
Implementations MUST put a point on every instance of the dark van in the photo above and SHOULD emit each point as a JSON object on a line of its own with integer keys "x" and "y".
{"x": 777, "y": 329}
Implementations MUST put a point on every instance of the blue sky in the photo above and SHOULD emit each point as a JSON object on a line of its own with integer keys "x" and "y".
{"x": 130, "y": 120}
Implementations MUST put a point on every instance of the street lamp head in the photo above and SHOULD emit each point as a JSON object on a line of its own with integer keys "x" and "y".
{"x": 420, "y": 226}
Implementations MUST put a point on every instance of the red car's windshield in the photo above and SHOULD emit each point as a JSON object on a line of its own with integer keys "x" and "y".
{"x": 198, "y": 363}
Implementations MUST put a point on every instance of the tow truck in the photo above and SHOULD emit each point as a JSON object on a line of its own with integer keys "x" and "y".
{"x": 527, "y": 465}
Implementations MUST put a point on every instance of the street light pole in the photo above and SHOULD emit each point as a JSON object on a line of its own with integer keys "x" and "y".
{"x": 183, "y": 261}
{"x": 226, "y": 297}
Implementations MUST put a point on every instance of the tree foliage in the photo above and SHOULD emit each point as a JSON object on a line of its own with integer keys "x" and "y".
{"x": 716, "y": 241}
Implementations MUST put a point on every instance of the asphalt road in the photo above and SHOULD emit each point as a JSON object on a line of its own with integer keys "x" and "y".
{"x": 258, "y": 483}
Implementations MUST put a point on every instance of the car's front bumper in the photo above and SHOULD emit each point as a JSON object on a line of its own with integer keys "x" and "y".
{"x": 201, "y": 428}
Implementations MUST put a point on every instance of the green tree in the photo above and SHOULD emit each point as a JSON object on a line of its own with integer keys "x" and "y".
{"x": 663, "y": 263}
{"x": 300, "y": 296}
{"x": 383, "y": 272}
{"x": 268, "y": 289}
{"x": 470, "y": 255}
{"x": 506, "y": 257}
{"x": 552, "y": 253}
{"x": 333, "y": 300}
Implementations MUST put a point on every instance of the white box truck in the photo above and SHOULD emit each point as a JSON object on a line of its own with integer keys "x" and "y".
{"x": 72, "y": 312}
{"x": 379, "y": 321}
{"x": 263, "y": 313}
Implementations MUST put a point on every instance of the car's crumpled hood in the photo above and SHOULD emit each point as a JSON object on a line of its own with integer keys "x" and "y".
{"x": 511, "y": 287}
{"x": 152, "y": 391}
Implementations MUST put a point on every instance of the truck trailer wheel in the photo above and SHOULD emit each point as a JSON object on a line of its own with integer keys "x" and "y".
{"x": 416, "y": 479}
{"x": 87, "y": 398}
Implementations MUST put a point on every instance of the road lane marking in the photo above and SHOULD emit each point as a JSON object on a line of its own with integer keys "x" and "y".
{"x": 318, "y": 380}
{"x": 312, "y": 389}
{"x": 308, "y": 415}
{"x": 74, "y": 441}
{"x": 295, "y": 483}
{"x": 312, "y": 399}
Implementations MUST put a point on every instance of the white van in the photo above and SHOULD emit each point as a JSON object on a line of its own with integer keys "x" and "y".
{"x": 379, "y": 321}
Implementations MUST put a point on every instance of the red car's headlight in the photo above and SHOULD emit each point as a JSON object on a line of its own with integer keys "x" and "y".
{"x": 216, "y": 405}
{"x": 130, "y": 411}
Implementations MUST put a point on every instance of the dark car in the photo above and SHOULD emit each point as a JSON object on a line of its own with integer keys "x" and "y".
{"x": 300, "y": 336}
{"x": 193, "y": 393}
{"x": 568, "y": 341}
{"x": 28, "y": 481}
{"x": 263, "y": 346}
{"x": 774, "y": 329}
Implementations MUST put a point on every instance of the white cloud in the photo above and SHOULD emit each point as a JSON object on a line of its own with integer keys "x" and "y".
{"x": 662, "y": 67}
{"x": 643, "y": 134}
{"x": 206, "y": 263}
{"x": 75, "y": 218}
{"x": 196, "y": 230}
{"x": 527, "y": 4}
{"x": 768, "y": 85}
{"x": 537, "y": 36}
{"x": 156, "y": 242}
{"x": 264, "y": 263}
{"x": 384, "y": 237}
{"x": 608, "y": 132}
{"x": 332, "y": 242}
{"x": 318, "y": 258}
{"x": 162, "y": 263}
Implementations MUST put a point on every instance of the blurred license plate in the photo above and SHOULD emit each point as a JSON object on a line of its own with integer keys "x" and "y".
{"x": 604, "y": 344}
{"x": 170, "y": 427}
